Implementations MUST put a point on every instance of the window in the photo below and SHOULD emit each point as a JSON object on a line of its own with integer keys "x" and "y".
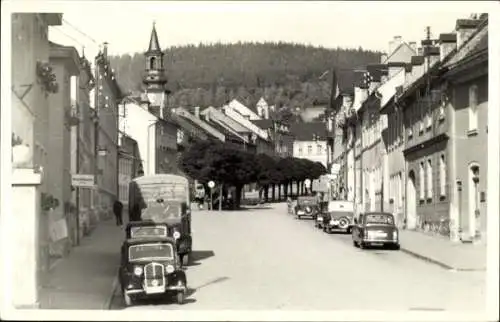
{"x": 309, "y": 149}
{"x": 422, "y": 181}
{"x": 319, "y": 149}
{"x": 473, "y": 108}
{"x": 429, "y": 179}
{"x": 429, "y": 121}
{"x": 442, "y": 176}
{"x": 301, "y": 151}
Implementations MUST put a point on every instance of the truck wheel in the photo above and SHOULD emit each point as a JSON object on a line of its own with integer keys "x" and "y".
{"x": 180, "y": 297}
{"x": 128, "y": 299}
{"x": 185, "y": 260}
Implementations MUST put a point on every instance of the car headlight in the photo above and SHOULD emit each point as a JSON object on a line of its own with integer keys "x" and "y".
{"x": 177, "y": 235}
{"x": 138, "y": 270}
{"x": 169, "y": 269}
{"x": 320, "y": 218}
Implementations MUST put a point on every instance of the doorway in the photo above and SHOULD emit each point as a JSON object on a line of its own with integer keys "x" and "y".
{"x": 411, "y": 202}
{"x": 473, "y": 192}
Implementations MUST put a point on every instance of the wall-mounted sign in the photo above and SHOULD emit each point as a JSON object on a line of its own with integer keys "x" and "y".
{"x": 82, "y": 180}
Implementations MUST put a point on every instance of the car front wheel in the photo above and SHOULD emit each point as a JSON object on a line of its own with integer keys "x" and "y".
{"x": 128, "y": 299}
{"x": 180, "y": 297}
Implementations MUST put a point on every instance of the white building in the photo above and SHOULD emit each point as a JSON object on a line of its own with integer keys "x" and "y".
{"x": 310, "y": 141}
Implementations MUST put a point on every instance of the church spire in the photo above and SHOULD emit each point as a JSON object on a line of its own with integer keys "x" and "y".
{"x": 154, "y": 44}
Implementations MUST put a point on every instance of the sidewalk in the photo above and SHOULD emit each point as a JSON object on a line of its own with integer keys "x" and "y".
{"x": 455, "y": 256}
{"x": 85, "y": 278}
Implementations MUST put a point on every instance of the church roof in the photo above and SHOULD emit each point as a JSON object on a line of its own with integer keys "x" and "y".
{"x": 154, "y": 44}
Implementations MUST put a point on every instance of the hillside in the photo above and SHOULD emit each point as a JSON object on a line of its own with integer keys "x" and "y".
{"x": 284, "y": 74}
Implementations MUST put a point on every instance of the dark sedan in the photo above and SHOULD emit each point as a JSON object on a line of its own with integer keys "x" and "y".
{"x": 375, "y": 229}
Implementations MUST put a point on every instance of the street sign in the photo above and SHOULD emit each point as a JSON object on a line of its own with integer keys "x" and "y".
{"x": 307, "y": 182}
{"x": 82, "y": 180}
{"x": 211, "y": 184}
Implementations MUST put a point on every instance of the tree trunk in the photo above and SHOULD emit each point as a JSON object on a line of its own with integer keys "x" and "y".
{"x": 273, "y": 192}
{"x": 285, "y": 188}
{"x": 266, "y": 193}
{"x": 298, "y": 188}
{"x": 220, "y": 196}
{"x": 238, "y": 193}
{"x": 279, "y": 192}
{"x": 302, "y": 188}
{"x": 261, "y": 188}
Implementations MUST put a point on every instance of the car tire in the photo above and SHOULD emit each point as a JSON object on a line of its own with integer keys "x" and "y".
{"x": 362, "y": 245}
{"x": 180, "y": 297}
{"x": 185, "y": 260}
{"x": 129, "y": 301}
{"x": 396, "y": 247}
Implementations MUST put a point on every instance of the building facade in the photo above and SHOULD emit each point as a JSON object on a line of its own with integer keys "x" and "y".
{"x": 128, "y": 167}
{"x": 85, "y": 146}
{"x": 31, "y": 88}
{"x": 467, "y": 77}
{"x": 310, "y": 141}
{"x": 62, "y": 221}
{"x": 106, "y": 100}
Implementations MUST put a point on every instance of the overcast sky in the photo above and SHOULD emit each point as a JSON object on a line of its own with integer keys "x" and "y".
{"x": 126, "y": 25}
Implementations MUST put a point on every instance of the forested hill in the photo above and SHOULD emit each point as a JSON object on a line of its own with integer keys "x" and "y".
{"x": 284, "y": 74}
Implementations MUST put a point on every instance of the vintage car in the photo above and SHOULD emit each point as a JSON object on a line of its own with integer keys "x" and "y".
{"x": 164, "y": 199}
{"x": 307, "y": 206}
{"x": 339, "y": 216}
{"x": 150, "y": 267}
{"x": 322, "y": 214}
{"x": 375, "y": 229}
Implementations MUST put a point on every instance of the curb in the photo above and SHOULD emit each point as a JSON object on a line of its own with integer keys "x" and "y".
{"x": 427, "y": 259}
{"x": 438, "y": 263}
{"x": 114, "y": 288}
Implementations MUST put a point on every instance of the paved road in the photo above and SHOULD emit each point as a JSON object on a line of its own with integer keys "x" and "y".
{"x": 265, "y": 259}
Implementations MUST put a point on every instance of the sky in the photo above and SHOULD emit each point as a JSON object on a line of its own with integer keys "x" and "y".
{"x": 126, "y": 25}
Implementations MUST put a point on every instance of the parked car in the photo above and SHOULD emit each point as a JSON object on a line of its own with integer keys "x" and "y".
{"x": 307, "y": 206}
{"x": 322, "y": 214}
{"x": 141, "y": 229}
{"x": 375, "y": 229}
{"x": 339, "y": 216}
{"x": 150, "y": 268}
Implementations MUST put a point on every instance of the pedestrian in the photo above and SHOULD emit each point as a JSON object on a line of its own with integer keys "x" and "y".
{"x": 117, "y": 209}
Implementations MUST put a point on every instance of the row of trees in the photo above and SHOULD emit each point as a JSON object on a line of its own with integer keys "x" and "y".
{"x": 212, "y": 160}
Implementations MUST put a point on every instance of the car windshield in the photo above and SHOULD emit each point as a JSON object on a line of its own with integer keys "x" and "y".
{"x": 160, "y": 251}
{"x": 385, "y": 219}
{"x": 148, "y": 231}
{"x": 162, "y": 210}
{"x": 308, "y": 201}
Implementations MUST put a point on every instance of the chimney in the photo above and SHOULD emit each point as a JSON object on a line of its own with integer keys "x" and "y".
{"x": 105, "y": 50}
{"x": 197, "y": 111}
{"x": 447, "y": 43}
{"x": 432, "y": 55}
{"x": 413, "y": 46}
{"x": 464, "y": 29}
{"x": 383, "y": 58}
{"x": 393, "y": 44}
{"x": 391, "y": 47}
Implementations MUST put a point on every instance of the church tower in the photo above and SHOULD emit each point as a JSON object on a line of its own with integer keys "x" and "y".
{"x": 154, "y": 77}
